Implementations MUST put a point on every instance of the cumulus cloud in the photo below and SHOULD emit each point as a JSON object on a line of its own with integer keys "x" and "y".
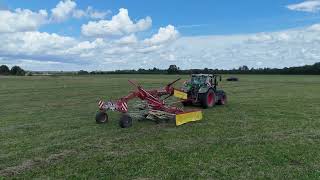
{"x": 42, "y": 46}
{"x": 35, "y": 45}
{"x": 306, "y": 6}
{"x": 42, "y": 65}
{"x": 269, "y": 37}
{"x": 21, "y": 20}
{"x": 315, "y": 27}
{"x": 115, "y": 44}
{"x": 63, "y": 10}
{"x": 31, "y": 48}
{"x": 274, "y": 49}
{"x": 90, "y": 13}
{"x": 165, "y": 34}
{"x": 131, "y": 39}
{"x": 68, "y": 8}
{"x": 119, "y": 25}
{"x": 95, "y": 14}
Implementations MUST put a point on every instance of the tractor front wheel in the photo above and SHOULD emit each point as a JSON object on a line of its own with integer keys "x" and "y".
{"x": 101, "y": 117}
{"x": 125, "y": 121}
{"x": 208, "y": 99}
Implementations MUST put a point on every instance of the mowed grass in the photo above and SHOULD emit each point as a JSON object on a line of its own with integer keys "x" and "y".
{"x": 270, "y": 129}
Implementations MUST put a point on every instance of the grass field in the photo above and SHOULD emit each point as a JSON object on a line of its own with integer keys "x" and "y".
{"x": 270, "y": 128}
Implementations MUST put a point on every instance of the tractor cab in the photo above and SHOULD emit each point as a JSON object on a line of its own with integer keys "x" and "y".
{"x": 202, "y": 88}
{"x": 198, "y": 81}
{"x": 201, "y": 79}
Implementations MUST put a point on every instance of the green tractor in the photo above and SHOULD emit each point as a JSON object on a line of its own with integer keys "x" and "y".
{"x": 202, "y": 89}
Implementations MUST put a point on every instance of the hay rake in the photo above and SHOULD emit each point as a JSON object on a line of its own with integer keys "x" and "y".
{"x": 152, "y": 106}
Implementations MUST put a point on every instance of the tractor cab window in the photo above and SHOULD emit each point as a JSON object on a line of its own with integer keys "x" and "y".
{"x": 198, "y": 80}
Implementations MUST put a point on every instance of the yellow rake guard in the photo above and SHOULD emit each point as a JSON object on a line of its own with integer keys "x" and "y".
{"x": 180, "y": 94}
{"x": 188, "y": 117}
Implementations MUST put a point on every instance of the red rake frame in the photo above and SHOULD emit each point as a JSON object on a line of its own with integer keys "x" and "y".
{"x": 153, "y": 100}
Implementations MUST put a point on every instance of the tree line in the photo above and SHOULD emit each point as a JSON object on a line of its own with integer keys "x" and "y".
{"x": 15, "y": 70}
{"x": 173, "y": 69}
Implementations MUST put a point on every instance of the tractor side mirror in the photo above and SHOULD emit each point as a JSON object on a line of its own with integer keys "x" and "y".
{"x": 220, "y": 78}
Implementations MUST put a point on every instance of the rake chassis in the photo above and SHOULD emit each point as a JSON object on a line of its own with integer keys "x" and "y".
{"x": 153, "y": 107}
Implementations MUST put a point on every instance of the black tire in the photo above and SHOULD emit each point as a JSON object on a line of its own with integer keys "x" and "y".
{"x": 222, "y": 97}
{"x": 186, "y": 103}
{"x": 208, "y": 99}
{"x": 101, "y": 117}
{"x": 233, "y": 79}
{"x": 125, "y": 121}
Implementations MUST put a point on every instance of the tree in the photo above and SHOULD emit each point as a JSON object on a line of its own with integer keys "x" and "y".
{"x": 82, "y": 72}
{"x": 142, "y": 71}
{"x": 173, "y": 69}
{"x": 244, "y": 68}
{"x": 18, "y": 71}
{"x": 4, "y": 70}
{"x": 206, "y": 71}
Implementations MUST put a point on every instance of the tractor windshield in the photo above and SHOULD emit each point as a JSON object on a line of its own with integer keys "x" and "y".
{"x": 198, "y": 80}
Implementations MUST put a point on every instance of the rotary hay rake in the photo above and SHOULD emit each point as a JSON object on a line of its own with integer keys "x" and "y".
{"x": 153, "y": 105}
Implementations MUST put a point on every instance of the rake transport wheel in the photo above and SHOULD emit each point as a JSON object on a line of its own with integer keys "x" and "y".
{"x": 208, "y": 99}
{"x": 101, "y": 117}
{"x": 125, "y": 121}
{"x": 222, "y": 97}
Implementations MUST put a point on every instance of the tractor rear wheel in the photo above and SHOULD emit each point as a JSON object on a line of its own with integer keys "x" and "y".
{"x": 208, "y": 99}
{"x": 101, "y": 117}
{"x": 125, "y": 121}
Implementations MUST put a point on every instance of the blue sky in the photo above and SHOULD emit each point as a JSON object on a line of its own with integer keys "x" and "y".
{"x": 206, "y": 17}
{"x": 228, "y": 26}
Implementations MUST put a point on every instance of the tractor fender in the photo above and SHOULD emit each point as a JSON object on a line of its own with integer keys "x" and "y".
{"x": 204, "y": 90}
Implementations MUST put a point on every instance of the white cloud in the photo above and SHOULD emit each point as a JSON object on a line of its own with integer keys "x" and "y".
{"x": 47, "y": 47}
{"x": 149, "y": 49}
{"x": 41, "y": 65}
{"x": 21, "y": 20}
{"x": 306, "y": 6}
{"x": 119, "y": 25}
{"x": 40, "y": 48}
{"x": 131, "y": 39}
{"x": 90, "y": 13}
{"x": 95, "y": 14}
{"x": 269, "y": 37}
{"x": 35, "y": 45}
{"x": 315, "y": 27}
{"x": 68, "y": 8}
{"x": 63, "y": 10}
{"x": 164, "y": 35}
{"x": 113, "y": 44}
{"x": 275, "y": 49}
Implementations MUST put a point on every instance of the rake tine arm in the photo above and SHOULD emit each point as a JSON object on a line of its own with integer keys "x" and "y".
{"x": 129, "y": 97}
{"x": 169, "y": 89}
{"x": 170, "y": 84}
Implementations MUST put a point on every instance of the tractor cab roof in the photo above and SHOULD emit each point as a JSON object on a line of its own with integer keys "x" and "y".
{"x": 202, "y": 75}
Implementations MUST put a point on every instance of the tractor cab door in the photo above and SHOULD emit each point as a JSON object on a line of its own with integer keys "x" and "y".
{"x": 215, "y": 83}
